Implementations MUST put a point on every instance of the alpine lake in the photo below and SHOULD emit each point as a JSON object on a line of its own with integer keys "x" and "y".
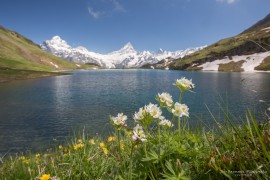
{"x": 40, "y": 113}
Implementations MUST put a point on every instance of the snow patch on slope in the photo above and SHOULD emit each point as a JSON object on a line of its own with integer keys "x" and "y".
{"x": 55, "y": 65}
{"x": 265, "y": 29}
{"x": 251, "y": 61}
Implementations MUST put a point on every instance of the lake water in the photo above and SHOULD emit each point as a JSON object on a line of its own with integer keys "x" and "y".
{"x": 37, "y": 113}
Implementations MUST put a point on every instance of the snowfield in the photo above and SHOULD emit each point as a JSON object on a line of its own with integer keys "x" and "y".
{"x": 126, "y": 57}
{"x": 251, "y": 61}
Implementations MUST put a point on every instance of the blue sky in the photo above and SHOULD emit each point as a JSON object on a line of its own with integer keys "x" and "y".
{"x": 106, "y": 25}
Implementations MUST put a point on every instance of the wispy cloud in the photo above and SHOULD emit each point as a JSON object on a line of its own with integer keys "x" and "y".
{"x": 105, "y": 8}
{"x": 94, "y": 14}
{"x": 227, "y": 1}
{"x": 118, "y": 6}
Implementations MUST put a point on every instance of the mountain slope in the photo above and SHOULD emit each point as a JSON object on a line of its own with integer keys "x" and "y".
{"x": 126, "y": 57}
{"x": 251, "y": 42}
{"x": 18, "y": 52}
{"x": 264, "y": 23}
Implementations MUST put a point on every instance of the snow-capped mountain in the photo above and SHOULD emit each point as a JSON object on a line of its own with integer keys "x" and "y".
{"x": 126, "y": 57}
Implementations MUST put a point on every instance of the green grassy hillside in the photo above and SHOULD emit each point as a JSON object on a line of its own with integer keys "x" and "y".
{"x": 253, "y": 40}
{"x": 18, "y": 52}
{"x": 21, "y": 58}
{"x": 7, "y": 74}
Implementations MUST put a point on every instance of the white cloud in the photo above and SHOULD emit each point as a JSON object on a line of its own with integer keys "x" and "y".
{"x": 105, "y": 8}
{"x": 118, "y": 6}
{"x": 227, "y": 1}
{"x": 94, "y": 14}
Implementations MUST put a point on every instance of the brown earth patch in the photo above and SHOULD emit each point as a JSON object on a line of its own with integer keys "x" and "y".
{"x": 232, "y": 66}
{"x": 265, "y": 65}
{"x": 194, "y": 68}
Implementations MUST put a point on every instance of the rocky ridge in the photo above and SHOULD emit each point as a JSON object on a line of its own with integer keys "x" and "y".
{"x": 126, "y": 57}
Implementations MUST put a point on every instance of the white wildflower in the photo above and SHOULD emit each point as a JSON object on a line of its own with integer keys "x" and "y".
{"x": 153, "y": 110}
{"x": 165, "y": 122}
{"x": 161, "y": 117}
{"x": 180, "y": 110}
{"x": 138, "y": 134}
{"x": 54, "y": 178}
{"x": 165, "y": 98}
{"x": 184, "y": 84}
{"x": 139, "y": 115}
{"x": 120, "y": 119}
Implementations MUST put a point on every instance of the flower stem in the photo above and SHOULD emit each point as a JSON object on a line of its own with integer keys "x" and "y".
{"x": 173, "y": 119}
{"x": 131, "y": 161}
{"x": 159, "y": 134}
{"x": 145, "y": 150}
{"x": 119, "y": 145}
{"x": 179, "y": 125}
{"x": 180, "y": 97}
{"x": 179, "y": 120}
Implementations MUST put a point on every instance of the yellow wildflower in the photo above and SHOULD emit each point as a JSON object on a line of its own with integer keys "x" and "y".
{"x": 78, "y": 146}
{"x": 46, "y": 155}
{"x": 45, "y": 177}
{"x": 38, "y": 160}
{"x": 105, "y": 150}
{"x": 26, "y": 161}
{"x": 79, "y": 141}
{"x": 122, "y": 146}
{"x": 60, "y": 146}
{"x": 22, "y": 158}
{"x": 102, "y": 144}
{"x": 111, "y": 138}
{"x": 37, "y": 155}
{"x": 92, "y": 141}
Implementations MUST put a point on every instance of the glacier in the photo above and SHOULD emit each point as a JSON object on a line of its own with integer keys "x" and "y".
{"x": 126, "y": 57}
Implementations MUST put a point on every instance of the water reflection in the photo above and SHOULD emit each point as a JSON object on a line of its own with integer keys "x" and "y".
{"x": 34, "y": 112}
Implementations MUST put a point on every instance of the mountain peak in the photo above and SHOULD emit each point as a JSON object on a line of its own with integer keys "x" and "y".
{"x": 56, "y": 38}
{"x": 160, "y": 51}
{"x": 55, "y": 44}
{"x": 81, "y": 48}
{"x": 128, "y": 46}
{"x": 126, "y": 57}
